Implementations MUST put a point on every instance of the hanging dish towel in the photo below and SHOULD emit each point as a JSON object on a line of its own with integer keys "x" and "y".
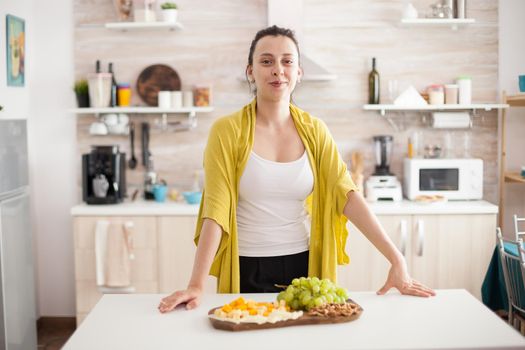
{"x": 113, "y": 254}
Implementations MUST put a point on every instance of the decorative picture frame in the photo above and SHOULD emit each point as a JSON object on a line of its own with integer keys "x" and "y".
{"x": 15, "y": 49}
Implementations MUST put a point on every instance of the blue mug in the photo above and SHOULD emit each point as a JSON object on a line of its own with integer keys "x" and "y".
{"x": 521, "y": 79}
{"x": 160, "y": 192}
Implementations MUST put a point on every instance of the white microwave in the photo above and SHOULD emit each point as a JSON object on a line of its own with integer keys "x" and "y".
{"x": 455, "y": 179}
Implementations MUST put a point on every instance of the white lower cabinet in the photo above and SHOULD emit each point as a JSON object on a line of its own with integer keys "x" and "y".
{"x": 442, "y": 251}
{"x": 144, "y": 270}
{"x": 177, "y": 252}
{"x": 164, "y": 253}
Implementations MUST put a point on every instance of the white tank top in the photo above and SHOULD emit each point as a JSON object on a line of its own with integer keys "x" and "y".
{"x": 271, "y": 216}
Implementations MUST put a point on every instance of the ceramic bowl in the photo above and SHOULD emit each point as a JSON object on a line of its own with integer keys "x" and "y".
{"x": 192, "y": 197}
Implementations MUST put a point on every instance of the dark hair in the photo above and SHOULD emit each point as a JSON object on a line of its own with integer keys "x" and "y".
{"x": 273, "y": 31}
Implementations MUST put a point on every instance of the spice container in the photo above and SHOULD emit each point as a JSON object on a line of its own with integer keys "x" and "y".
{"x": 465, "y": 90}
{"x": 451, "y": 94}
{"x": 202, "y": 95}
{"x": 124, "y": 94}
{"x": 436, "y": 95}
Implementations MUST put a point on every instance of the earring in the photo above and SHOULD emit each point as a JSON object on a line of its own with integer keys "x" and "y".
{"x": 252, "y": 81}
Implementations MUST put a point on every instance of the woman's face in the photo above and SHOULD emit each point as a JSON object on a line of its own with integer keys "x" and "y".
{"x": 275, "y": 68}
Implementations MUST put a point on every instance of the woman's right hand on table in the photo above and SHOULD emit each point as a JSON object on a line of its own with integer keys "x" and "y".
{"x": 191, "y": 297}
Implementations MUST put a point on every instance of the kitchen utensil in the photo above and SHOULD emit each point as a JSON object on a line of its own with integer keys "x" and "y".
{"x": 164, "y": 99}
{"x": 521, "y": 80}
{"x": 98, "y": 128}
{"x": 99, "y": 86}
{"x": 187, "y": 99}
{"x": 145, "y": 144}
{"x": 132, "y": 163}
{"x": 160, "y": 192}
{"x": 432, "y": 151}
{"x": 465, "y": 90}
{"x": 100, "y": 185}
{"x": 192, "y": 197}
{"x": 383, "y": 152}
{"x": 155, "y": 78}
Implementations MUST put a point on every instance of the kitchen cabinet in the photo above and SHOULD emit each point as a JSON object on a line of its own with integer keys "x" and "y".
{"x": 442, "y": 251}
{"x": 164, "y": 253}
{"x": 177, "y": 252}
{"x": 144, "y": 268}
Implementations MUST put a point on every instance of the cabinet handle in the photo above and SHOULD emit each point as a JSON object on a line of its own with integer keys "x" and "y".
{"x": 420, "y": 237}
{"x": 128, "y": 233}
{"x": 404, "y": 234}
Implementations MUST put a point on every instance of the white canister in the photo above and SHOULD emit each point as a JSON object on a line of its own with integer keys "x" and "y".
{"x": 465, "y": 90}
{"x": 176, "y": 99}
{"x": 99, "y": 86}
{"x": 451, "y": 94}
{"x": 187, "y": 99}
{"x": 164, "y": 99}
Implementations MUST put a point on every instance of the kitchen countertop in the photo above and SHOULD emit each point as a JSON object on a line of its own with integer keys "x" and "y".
{"x": 405, "y": 207}
{"x": 453, "y": 319}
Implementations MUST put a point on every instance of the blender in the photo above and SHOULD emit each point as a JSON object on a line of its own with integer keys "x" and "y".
{"x": 383, "y": 185}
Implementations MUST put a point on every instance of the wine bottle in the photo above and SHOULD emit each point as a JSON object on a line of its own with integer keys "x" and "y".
{"x": 97, "y": 66}
{"x": 373, "y": 84}
{"x": 114, "y": 96}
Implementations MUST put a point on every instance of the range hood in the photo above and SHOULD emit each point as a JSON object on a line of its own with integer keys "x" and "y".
{"x": 289, "y": 14}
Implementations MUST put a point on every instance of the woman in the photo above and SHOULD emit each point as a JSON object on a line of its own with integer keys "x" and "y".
{"x": 262, "y": 165}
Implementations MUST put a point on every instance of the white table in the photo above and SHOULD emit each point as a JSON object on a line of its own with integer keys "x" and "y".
{"x": 453, "y": 319}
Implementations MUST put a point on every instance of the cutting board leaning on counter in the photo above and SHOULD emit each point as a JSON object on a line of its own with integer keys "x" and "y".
{"x": 263, "y": 164}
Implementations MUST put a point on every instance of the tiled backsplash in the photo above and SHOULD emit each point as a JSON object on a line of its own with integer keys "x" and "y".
{"x": 340, "y": 35}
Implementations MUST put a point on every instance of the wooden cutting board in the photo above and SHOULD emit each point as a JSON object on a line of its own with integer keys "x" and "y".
{"x": 155, "y": 78}
{"x": 303, "y": 320}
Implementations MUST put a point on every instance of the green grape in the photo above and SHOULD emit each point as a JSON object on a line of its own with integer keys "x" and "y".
{"x": 305, "y": 293}
{"x": 306, "y": 299}
{"x": 329, "y": 298}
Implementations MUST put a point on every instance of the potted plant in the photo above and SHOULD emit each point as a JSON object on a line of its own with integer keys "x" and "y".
{"x": 169, "y": 12}
{"x": 81, "y": 91}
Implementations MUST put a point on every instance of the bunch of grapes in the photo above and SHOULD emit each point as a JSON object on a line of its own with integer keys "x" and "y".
{"x": 306, "y": 293}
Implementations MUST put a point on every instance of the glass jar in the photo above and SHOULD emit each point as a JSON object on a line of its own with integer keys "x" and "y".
{"x": 202, "y": 95}
{"x": 124, "y": 94}
{"x": 436, "y": 95}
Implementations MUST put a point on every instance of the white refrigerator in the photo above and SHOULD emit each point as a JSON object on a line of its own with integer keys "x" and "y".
{"x": 17, "y": 282}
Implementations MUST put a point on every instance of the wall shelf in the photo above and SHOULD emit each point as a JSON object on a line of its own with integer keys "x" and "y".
{"x": 514, "y": 177}
{"x": 383, "y": 108}
{"x": 454, "y": 23}
{"x": 125, "y": 26}
{"x": 516, "y": 100}
{"x": 164, "y": 124}
{"x": 504, "y": 175}
{"x": 142, "y": 110}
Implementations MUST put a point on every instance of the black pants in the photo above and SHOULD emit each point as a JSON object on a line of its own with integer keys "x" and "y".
{"x": 260, "y": 274}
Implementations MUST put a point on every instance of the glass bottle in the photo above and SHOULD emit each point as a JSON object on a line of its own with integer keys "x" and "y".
{"x": 373, "y": 84}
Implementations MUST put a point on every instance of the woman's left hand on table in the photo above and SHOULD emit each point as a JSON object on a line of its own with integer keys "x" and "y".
{"x": 399, "y": 278}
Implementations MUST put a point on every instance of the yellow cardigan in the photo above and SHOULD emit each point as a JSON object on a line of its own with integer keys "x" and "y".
{"x": 229, "y": 145}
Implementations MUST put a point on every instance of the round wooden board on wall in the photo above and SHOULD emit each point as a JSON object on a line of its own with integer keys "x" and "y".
{"x": 155, "y": 78}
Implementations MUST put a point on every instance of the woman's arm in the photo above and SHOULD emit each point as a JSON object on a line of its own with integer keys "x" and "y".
{"x": 357, "y": 211}
{"x": 210, "y": 238}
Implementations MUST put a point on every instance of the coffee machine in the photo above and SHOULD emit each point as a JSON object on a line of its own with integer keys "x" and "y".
{"x": 104, "y": 175}
{"x": 383, "y": 185}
